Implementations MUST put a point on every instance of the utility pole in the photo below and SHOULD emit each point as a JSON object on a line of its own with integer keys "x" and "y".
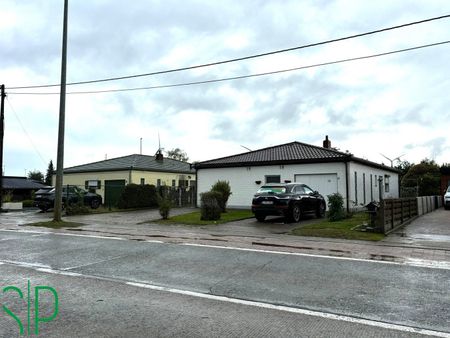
{"x": 2, "y": 132}
{"x": 62, "y": 111}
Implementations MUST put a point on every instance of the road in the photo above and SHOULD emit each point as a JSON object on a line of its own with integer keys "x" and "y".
{"x": 115, "y": 287}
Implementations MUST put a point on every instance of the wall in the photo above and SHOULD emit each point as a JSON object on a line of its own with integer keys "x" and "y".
{"x": 152, "y": 177}
{"x": 242, "y": 179}
{"x": 371, "y": 191}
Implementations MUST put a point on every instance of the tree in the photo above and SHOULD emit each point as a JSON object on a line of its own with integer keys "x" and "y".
{"x": 36, "y": 175}
{"x": 426, "y": 176}
{"x": 177, "y": 154}
{"x": 49, "y": 174}
{"x": 404, "y": 167}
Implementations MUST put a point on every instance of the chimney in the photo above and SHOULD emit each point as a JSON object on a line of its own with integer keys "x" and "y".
{"x": 327, "y": 143}
{"x": 159, "y": 155}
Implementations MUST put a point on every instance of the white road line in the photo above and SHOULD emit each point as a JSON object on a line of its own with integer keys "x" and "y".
{"x": 320, "y": 314}
{"x": 408, "y": 262}
{"x": 325, "y": 315}
{"x": 420, "y": 263}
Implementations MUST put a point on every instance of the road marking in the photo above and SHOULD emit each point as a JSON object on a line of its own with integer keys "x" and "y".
{"x": 408, "y": 261}
{"x": 320, "y": 314}
{"x": 414, "y": 262}
{"x": 315, "y": 313}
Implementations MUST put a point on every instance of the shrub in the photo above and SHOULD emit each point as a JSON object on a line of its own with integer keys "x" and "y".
{"x": 77, "y": 209}
{"x": 28, "y": 203}
{"x": 222, "y": 187}
{"x": 138, "y": 196}
{"x": 164, "y": 204}
{"x": 336, "y": 207}
{"x": 210, "y": 209}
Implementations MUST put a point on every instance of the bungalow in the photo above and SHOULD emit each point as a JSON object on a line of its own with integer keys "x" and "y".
{"x": 109, "y": 177}
{"x": 324, "y": 169}
{"x": 20, "y": 188}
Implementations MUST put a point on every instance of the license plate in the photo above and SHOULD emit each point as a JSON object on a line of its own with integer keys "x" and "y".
{"x": 267, "y": 202}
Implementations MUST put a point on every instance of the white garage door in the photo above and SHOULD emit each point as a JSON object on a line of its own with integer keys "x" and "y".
{"x": 325, "y": 184}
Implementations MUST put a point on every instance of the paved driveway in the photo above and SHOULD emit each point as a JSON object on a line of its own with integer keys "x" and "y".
{"x": 431, "y": 230}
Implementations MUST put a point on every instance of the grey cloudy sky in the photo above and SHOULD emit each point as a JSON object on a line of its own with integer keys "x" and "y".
{"x": 393, "y": 105}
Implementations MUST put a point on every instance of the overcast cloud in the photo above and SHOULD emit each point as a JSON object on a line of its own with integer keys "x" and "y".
{"x": 391, "y": 105}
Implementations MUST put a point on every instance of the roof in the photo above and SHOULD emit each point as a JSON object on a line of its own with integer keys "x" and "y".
{"x": 17, "y": 182}
{"x": 289, "y": 153}
{"x": 134, "y": 162}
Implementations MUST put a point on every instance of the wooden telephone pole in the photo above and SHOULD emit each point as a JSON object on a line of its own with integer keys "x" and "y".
{"x": 2, "y": 132}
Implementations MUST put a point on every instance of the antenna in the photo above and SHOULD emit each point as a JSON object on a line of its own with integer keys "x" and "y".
{"x": 159, "y": 143}
{"x": 246, "y": 148}
{"x": 140, "y": 146}
{"x": 392, "y": 160}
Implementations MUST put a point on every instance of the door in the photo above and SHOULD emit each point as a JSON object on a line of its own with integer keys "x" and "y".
{"x": 325, "y": 184}
{"x": 113, "y": 190}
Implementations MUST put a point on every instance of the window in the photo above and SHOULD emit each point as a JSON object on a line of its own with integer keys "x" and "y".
{"x": 173, "y": 183}
{"x": 299, "y": 189}
{"x": 273, "y": 178}
{"x": 386, "y": 183}
{"x": 371, "y": 187}
{"x": 308, "y": 190}
{"x": 158, "y": 182}
{"x": 142, "y": 181}
{"x": 376, "y": 181}
{"x": 364, "y": 188}
{"x": 356, "y": 187}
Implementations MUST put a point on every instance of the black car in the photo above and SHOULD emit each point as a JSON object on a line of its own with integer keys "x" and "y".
{"x": 45, "y": 199}
{"x": 289, "y": 200}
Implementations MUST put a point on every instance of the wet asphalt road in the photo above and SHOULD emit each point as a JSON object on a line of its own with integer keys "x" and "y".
{"x": 116, "y": 287}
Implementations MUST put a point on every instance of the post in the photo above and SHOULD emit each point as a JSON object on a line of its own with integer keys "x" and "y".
{"x": 2, "y": 130}
{"x": 62, "y": 108}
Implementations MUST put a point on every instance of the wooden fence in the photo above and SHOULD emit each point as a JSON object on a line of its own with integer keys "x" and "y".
{"x": 395, "y": 212}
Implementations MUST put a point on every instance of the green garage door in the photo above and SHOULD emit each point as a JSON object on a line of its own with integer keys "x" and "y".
{"x": 113, "y": 189}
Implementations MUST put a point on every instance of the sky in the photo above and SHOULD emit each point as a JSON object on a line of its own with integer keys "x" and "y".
{"x": 391, "y": 105}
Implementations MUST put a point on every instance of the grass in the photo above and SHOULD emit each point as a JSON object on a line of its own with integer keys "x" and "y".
{"x": 193, "y": 218}
{"x": 55, "y": 225}
{"x": 341, "y": 229}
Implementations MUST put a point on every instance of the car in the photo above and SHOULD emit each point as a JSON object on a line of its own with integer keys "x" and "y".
{"x": 447, "y": 199}
{"x": 45, "y": 199}
{"x": 290, "y": 200}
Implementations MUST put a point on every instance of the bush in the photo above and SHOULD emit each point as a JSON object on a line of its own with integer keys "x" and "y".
{"x": 164, "y": 204}
{"x": 336, "y": 207}
{"x": 210, "y": 209}
{"x": 28, "y": 203}
{"x": 222, "y": 187}
{"x": 77, "y": 209}
{"x": 138, "y": 196}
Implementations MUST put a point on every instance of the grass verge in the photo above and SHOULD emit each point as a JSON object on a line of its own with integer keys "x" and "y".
{"x": 193, "y": 218}
{"x": 341, "y": 229}
{"x": 55, "y": 225}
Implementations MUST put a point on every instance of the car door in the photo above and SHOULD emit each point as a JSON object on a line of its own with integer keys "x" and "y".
{"x": 310, "y": 197}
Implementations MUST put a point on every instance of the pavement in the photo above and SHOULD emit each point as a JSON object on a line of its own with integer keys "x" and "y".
{"x": 424, "y": 242}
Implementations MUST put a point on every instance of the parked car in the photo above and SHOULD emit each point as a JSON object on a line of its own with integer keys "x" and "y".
{"x": 45, "y": 199}
{"x": 290, "y": 200}
{"x": 447, "y": 199}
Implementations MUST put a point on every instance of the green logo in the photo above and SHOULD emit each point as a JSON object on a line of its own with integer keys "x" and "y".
{"x": 38, "y": 290}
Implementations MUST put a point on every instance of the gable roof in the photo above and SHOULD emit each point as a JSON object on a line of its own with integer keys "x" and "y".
{"x": 134, "y": 162}
{"x": 289, "y": 153}
{"x": 17, "y": 182}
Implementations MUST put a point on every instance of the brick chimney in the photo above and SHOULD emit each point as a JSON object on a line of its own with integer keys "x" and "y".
{"x": 327, "y": 143}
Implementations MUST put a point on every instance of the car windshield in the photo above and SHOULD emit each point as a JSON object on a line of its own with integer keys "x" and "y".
{"x": 448, "y": 189}
{"x": 271, "y": 189}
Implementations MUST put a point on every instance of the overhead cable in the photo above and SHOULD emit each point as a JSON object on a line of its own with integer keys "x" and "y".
{"x": 240, "y": 58}
{"x": 241, "y": 76}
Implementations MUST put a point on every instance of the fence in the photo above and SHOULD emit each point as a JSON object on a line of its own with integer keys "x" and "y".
{"x": 181, "y": 196}
{"x": 394, "y": 213}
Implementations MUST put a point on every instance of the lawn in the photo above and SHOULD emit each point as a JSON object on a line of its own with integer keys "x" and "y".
{"x": 55, "y": 225}
{"x": 193, "y": 218}
{"x": 341, "y": 229}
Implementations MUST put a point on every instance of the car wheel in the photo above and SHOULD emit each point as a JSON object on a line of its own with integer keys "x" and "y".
{"x": 295, "y": 213}
{"x": 260, "y": 217}
{"x": 95, "y": 203}
{"x": 320, "y": 212}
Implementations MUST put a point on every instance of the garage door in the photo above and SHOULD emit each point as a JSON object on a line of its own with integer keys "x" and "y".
{"x": 113, "y": 190}
{"x": 325, "y": 184}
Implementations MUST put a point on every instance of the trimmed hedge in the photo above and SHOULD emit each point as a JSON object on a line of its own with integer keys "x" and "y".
{"x": 336, "y": 207}
{"x": 138, "y": 196}
{"x": 224, "y": 189}
{"x": 210, "y": 209}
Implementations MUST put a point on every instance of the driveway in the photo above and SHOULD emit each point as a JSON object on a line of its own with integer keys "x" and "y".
{"x": 430, "y": 230}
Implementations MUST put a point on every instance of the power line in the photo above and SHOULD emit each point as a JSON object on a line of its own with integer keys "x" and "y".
{"x": 24, "y": 130}
{"x": 239, "y": 77}
{"x": 240, "y": 58}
